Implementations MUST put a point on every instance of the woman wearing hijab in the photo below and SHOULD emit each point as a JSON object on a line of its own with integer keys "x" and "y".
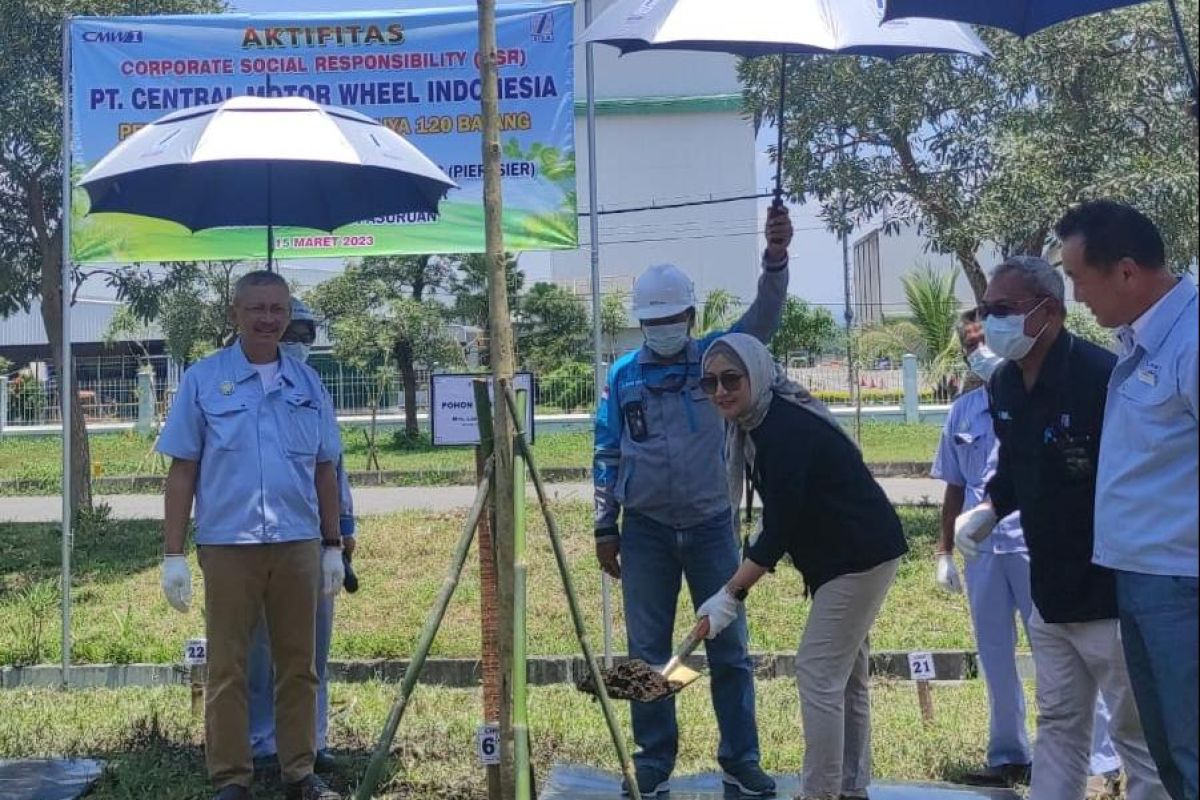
{"x": 821, "y": 507}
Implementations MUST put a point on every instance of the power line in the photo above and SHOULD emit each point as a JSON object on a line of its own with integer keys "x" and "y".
{"x": 660, "y": 207}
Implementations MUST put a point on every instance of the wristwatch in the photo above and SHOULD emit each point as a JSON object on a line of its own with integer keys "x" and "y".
{"x": 739, "y": 593}
{"x": 331, "y": 542}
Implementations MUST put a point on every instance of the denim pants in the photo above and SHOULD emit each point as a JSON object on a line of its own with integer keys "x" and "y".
{"x": 654, "y": 560}
{"x": 260, "y": 675}
{"x": 1158, "y": 632}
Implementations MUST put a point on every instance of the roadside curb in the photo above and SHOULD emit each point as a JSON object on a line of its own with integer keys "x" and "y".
{"x": 153, "y": 484}
{"x": 950, "y": 665}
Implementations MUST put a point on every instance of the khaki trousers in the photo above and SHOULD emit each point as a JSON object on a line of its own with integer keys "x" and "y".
{"x": 832, "y": 675}
{"x": 242, "y": 583}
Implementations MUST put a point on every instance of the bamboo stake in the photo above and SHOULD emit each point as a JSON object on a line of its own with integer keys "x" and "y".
{"x": 610, "y": 717}
{"x": 374, "y": 771}
{"x": 520, "y": 704}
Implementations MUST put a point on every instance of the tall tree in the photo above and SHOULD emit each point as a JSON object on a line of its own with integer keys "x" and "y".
{"x": 804, "y": 328}
{"x": 468, "y": 285}
{"x": 383, "y": 304}
{"x": 31, "y": 170}
{"x": 976, "y": 151}
{"x": 553, "y": 328}
{"x": 614, "y": 318}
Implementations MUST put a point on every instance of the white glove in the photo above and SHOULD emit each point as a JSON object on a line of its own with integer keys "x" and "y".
{"x": 721, "y": 609}
{"x": 333, "y": 571}
{"x": 947, "y": 574}
{"x": 177, "y": 582}
{"x": 972, "y": 528}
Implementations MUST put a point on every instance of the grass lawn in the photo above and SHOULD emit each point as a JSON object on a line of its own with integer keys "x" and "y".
{"x": 120, "y": 615}
{"x": 152, "y": 745}
{"x": 37, "y": 461}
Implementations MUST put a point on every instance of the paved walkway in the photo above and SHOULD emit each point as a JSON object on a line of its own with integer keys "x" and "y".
{"x": 371, "y": 500}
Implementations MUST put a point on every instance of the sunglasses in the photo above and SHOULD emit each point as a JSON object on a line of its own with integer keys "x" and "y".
{"x": 730, "y": 381}
{"x": 301, "y": 331}
{"x": 1005, "y": 309}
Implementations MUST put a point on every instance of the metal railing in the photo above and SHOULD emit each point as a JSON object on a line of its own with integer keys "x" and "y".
{"x": 107, "y": 395}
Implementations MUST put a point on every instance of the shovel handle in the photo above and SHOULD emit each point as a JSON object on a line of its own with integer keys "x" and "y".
{"x": 698, "y": 633}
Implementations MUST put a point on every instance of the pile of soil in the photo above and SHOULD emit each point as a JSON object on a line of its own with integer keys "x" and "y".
{"x": 631, "y": 680}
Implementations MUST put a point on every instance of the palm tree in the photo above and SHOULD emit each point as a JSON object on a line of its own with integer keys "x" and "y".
{"x": 719, "y": 311}
{"x": 934, "y": 309}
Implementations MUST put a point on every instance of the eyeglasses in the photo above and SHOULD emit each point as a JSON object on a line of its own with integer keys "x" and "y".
{"x": 730, "y": 381}
{"x": 1005, "y": 308}
{"x": 301, "y": 331}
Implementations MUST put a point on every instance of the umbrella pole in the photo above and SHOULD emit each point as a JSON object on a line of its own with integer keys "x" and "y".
{"x": 778, "y": 201}
{"x": 1188, "y": 64}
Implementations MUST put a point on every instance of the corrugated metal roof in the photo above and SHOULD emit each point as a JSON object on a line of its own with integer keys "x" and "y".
{"x": 89, "y": 320}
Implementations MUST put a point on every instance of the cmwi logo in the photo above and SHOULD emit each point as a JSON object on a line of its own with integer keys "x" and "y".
{"x": 112, "y": 37}
{"x": 541, "y": 27}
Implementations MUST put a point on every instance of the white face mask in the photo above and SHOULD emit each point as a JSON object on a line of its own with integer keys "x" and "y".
{"x": 297, "y": 350}
{"x": 983, "y": 362}
{"x": 666, "y": 340}
{"x": 1006, "y": 335}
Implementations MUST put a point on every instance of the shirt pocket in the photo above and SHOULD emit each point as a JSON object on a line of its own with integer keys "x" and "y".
{"x": 303, "y": 435}
{"x": 228, "y": 422}
{"x": 1150, "y": 408}
{"x": 971, "y": 450}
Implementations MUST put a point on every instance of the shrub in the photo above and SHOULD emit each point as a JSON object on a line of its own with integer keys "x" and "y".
{"x": 569, "y": 387}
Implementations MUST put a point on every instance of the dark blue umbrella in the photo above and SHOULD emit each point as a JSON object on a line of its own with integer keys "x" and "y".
{"x": 1025, "y": 17}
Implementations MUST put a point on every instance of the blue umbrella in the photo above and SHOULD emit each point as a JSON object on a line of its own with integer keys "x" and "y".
{"x": 254, "y": 161}
{"x": 1025, "y": 17}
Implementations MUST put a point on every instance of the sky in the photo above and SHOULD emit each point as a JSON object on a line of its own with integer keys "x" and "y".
{"x": 817, "y": 277}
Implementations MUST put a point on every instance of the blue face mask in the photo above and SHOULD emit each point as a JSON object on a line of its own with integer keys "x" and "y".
{"x": 983, "y": 362}
{"x": 297, "y": 350}
{"x": 1007, "y": 337}
{"x": 666, "y": 340}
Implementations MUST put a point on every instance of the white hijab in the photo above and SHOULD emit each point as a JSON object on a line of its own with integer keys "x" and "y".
{"x": 767, "y": 381}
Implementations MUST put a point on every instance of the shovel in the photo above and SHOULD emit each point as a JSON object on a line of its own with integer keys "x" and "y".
{"x": 675, "y": 670}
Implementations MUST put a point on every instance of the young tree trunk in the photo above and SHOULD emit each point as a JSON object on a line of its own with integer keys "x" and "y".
{"x": 81, "y": 469}
{"x": 408, "y": 374}
{"x": 502, "y": 360}
{"x": 975, "y": 274}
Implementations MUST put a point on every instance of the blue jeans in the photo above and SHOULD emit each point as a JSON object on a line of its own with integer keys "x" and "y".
{"x": 260, "y": 675}
{"x": 1158, "y": 633}
{"x": 654, "y": 559}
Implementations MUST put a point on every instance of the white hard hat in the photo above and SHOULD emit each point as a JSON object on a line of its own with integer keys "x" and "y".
{"x": 663, "y": 290}
{"x": 302, "y": 312}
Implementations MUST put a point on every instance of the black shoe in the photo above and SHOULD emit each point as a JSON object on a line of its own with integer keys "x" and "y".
{"x": 651, "y": 781}
{"x": 311, "y": 788}
{"x": 749, "y": 779}
{"x": 1002, "y": 775}
{"x": 233, "y": 792}
{"x": 324, "y": 763}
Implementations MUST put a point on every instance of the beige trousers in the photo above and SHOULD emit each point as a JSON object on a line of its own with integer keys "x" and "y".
{"x": 832, "y": 673}
{"x": 241, "y": 584}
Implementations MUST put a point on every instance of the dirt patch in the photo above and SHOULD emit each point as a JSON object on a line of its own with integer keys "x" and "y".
{"x": 631, "y": 680}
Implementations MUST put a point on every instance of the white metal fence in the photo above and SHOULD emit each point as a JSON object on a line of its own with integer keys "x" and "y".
{"x": 111, "y": 389}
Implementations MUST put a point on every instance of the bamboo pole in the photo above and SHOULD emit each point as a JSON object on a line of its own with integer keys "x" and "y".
{"x": 374, "y": 771}
{"x": 487, "y": 584}
{"x": 520, "y": 702}
{"x": 560, "y": 556}
{"x": 503, "y": 361}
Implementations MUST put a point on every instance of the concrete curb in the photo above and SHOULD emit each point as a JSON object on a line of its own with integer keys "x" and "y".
{"x": 951, "y": 665}
{"x": 153, "y": 484}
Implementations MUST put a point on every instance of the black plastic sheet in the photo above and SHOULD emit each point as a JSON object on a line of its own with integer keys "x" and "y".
{"x": 580, "y": 783}
{"x": 47, "y": 779}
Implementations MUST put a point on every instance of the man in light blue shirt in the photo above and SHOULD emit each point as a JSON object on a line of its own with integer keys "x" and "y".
{"x": 253, "y": 441}
{"x": 997, "y": 579}
{"x": 296, "y": 343}
{"x": 1147, "y": 514}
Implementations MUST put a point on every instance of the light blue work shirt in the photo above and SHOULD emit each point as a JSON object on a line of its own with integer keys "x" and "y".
{"x": 964, "y": 458}
{"x": 670, "y": 466}
{"x": 257, "y": 450}
{"x": 1147, "y": 517}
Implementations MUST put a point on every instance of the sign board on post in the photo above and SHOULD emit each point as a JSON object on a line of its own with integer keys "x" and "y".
{"x": 453, "y": 419}
{"x": 922, "y": 670}
{"x": 487, "y": 744}
{"x": 414, "y": 71}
